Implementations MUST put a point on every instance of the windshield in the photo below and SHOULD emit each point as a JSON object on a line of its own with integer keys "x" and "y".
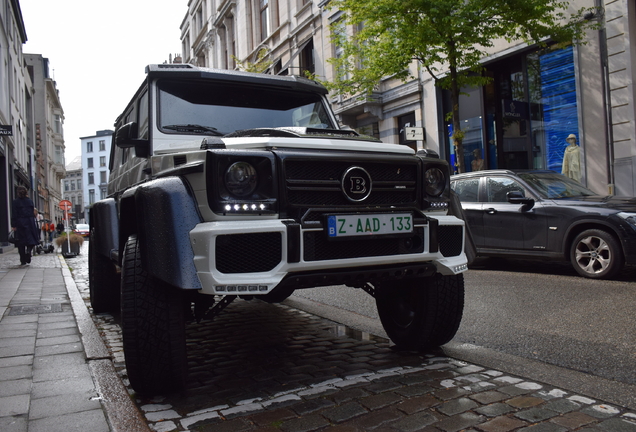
{"x": 196, "y": 107}
{"x": 554, "y": 185}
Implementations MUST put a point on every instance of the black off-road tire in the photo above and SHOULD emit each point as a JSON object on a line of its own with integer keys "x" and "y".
{"x": 596, "y": 254}
{"x": 153, "y": 328}
{"x": 423, "y": 313}
{"x": 103, "y": 281}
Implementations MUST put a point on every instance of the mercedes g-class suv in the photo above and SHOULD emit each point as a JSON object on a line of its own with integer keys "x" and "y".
{"x": 227, "y": 185}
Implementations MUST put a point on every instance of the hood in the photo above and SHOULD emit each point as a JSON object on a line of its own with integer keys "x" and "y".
{"x": 310, "y": 138}
{"x": 291, "y": 137}
{"x": 626, "y": 204}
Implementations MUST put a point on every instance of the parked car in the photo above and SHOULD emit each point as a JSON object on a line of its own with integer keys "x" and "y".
{"x": 544, "y": 214}
{"x": 82, "y": 229}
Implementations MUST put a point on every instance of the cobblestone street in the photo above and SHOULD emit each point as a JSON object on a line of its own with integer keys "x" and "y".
{"x": 260, "y": 366}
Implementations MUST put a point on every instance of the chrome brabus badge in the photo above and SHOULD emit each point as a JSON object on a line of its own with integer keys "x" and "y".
{"x": 356, "y": 184}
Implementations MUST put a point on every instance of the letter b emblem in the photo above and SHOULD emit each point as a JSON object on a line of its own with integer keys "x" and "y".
{"x": 358, "y": 185}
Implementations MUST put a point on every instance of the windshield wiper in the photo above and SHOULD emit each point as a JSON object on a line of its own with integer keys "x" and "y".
{"x": 194, "y": 128}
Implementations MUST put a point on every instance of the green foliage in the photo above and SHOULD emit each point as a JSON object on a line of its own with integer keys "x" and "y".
{"x": 447, "y": 38}
{"x": 261, "y": 65}
{"x": 441, "y": 35}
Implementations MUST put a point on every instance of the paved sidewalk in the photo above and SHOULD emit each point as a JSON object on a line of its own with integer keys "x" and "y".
{"x": 55, "y": 372}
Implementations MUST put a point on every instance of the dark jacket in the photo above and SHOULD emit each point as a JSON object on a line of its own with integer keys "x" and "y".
{"x": 23, "y": 220}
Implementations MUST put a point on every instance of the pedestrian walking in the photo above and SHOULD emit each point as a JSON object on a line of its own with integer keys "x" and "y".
{"x": 51, "y": 231}
{"x": 23, "y": 222}
{"x": 44, "y": 227}
{"x": 38, "y": 221}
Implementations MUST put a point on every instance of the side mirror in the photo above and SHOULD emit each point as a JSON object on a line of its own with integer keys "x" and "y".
{"x": 517, "y": 197}
{"x": 428, "y": 153}
{"x": 126, "y": 137}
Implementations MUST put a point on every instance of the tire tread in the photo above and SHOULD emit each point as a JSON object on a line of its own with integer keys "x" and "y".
{"x": 153, "y": 328}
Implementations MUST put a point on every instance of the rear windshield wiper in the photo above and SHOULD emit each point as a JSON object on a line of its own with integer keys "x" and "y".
{"x": 194, "y": 128}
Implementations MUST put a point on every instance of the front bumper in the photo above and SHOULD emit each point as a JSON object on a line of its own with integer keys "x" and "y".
{"x": 253, "y": 257}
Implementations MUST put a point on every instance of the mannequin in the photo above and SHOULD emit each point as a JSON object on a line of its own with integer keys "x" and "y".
{"x": 572, "y": 159}
{"x": 477, "y": 163}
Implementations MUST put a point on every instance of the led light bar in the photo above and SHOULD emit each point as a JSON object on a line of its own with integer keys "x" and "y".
{"x": 240, "y": 288}
{"x": 461, "y": 268}
{"x": 438, "y": 205}
{"x": 245, "y": 207}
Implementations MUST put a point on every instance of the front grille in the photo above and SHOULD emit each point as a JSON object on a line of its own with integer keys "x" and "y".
{"x": 318, "y": 248}
{"x": 450, "y": 239}
{"x": 248, "y": 253}
{"x": 316, "y": 182}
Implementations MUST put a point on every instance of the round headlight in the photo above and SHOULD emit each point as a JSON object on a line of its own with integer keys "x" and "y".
{"x": 241, "y": 179}
{"x": 434, "y": 181}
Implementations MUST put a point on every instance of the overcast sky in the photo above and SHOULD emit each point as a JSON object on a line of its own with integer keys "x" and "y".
{"x": 97, "y": 52}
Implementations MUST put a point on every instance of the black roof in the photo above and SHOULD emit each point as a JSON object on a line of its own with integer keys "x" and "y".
{"x": 188, "y": 71}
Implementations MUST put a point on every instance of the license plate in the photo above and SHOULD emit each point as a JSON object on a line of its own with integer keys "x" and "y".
{"x": 369, "y": 224}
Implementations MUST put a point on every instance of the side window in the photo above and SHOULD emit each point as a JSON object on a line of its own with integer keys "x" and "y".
{"x": 467, "y": 189}
{"x": 143, "y": 116}
{"x": 498, "y": 187}
{"x": 130, "y": 116}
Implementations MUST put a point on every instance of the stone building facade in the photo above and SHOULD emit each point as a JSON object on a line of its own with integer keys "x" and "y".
{"x": 536, "y": 99}
{"x": 72, "y": 189}
{"x": 49, "y": 138}
{"x": 31, "y": 123}
{"x": 17, "y": 146}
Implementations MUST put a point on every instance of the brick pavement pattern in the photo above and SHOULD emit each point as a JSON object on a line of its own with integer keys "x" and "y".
{"x": 264, "y": 367}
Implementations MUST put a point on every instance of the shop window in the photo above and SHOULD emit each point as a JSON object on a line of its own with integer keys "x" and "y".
{"x": 555, "y": 104}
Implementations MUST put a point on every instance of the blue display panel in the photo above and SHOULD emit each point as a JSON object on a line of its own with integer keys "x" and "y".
{"x": 560, "y": 115}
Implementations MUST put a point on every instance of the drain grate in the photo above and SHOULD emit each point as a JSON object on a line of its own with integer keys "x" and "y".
{"x": 36, "y": 309}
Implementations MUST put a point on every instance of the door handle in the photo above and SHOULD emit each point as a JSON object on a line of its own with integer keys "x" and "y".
{"x": 491, "y": 211}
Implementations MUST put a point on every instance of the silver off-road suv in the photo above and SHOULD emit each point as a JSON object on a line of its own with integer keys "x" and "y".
{"x": 227, "y": 185}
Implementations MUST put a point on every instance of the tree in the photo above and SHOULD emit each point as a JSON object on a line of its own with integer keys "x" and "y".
{"x": 261, "y": 65}
{"x": 447, "y": 38}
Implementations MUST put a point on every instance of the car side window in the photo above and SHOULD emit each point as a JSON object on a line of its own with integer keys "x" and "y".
{"x": 467, "y": 189}
{"x": 498, "y": 187}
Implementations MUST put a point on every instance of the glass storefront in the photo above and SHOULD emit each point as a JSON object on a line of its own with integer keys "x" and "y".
{"x": 522, "y": 119}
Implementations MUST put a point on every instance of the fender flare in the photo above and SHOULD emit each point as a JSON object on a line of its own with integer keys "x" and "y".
{"x": 162, "y": 213}
{"x": 104, "y": 226}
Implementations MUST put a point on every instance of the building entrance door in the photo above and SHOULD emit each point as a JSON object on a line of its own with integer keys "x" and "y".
{"x": 512, "y": 115}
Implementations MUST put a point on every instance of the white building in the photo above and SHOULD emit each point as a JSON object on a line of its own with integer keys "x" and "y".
{"x": 95, "y": 154}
